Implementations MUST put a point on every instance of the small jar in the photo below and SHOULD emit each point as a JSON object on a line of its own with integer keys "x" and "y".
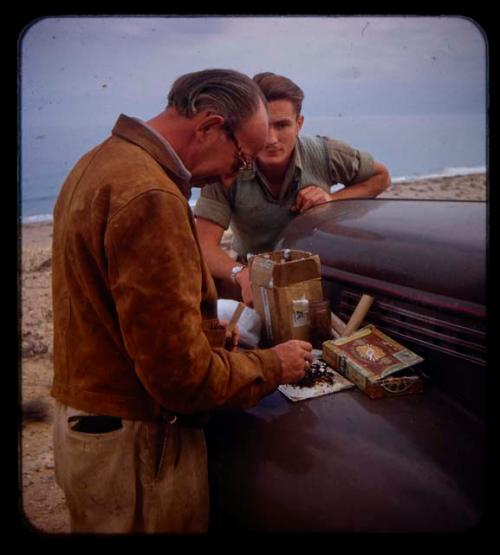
{"x": 320, "y": 322}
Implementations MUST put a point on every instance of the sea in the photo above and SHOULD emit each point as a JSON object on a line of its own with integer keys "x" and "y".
{"x": 411, "y": 146}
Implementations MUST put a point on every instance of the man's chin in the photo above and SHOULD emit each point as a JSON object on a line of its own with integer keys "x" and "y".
{"x": 271, "y": 159}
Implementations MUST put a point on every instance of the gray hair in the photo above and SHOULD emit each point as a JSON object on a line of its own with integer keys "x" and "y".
{"x": 229, "y": 93}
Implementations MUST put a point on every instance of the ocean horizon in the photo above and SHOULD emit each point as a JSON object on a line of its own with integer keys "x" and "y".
{"x": 413, "y": 147}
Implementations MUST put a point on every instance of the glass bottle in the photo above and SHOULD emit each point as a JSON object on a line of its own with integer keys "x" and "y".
{"x": 320, "y": 322}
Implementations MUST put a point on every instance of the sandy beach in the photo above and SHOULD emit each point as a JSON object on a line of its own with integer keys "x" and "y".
{"x": 42, "y": 501}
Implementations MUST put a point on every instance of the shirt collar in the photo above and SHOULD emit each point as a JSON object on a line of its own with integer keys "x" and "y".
{"x": 141, "y": 134}
{"x": 293, "y": 171}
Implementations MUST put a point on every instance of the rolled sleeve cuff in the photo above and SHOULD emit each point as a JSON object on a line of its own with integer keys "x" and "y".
{"x": 261, "y": 382}
{"x": 272, "y": 364}
{"x": 214, "y": 211}
{"x": 365, "y": 167}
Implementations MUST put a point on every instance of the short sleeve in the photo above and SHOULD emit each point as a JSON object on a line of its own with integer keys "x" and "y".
{"x": 366, "y": 169}
{"x": 213, "y": 205}
{"x": 347, "y": 164}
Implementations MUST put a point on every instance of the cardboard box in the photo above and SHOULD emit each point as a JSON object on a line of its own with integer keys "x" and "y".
{"x": 283, "y": 283}
{"x": 369, "y": 359}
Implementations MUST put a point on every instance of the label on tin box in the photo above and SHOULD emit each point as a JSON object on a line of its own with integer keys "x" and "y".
{"x": 372, "y": 353}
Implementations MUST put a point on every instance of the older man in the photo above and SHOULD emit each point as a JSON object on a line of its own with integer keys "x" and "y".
{"x": 138, "y": 350}
{"x": 292, "y": 174}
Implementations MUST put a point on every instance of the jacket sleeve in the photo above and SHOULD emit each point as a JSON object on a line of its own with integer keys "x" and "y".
{"x": 155, "y": 275}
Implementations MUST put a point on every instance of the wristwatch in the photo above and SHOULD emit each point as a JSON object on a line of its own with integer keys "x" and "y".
{"x": 235, "y": 271}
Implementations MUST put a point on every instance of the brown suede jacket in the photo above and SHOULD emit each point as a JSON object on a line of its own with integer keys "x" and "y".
{"x": 135, "y": 327}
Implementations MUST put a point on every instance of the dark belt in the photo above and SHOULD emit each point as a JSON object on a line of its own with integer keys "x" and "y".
{"x": 101, "y": 424}
{"x": 197, "y": 420}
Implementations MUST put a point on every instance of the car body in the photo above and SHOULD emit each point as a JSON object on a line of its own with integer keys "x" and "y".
{"x": 424, "y": 262}
{"x": 345, "y": 462}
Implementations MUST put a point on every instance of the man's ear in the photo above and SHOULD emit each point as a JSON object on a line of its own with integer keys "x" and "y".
{"x": 300, "y": 121}
{"x": 209, "y": 124}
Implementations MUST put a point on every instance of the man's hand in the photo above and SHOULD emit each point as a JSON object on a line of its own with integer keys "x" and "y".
{"x": 295, "y": 357}
{"x": 232, "y": 337}
{"x": 310, "y": 196}
{"x": 243, "y": 280}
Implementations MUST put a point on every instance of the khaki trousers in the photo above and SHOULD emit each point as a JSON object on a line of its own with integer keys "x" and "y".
{"x": 148, "y": 477}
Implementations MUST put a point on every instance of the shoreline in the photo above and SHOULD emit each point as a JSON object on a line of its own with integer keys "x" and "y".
{"x": 400, "y": 184}
{"x": 37, "y": 235}
{"x": 470, "y": 187}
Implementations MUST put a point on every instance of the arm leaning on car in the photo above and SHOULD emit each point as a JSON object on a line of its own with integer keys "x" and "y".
{"x": 312, "y": 195}
{"x": 219, "y": 262}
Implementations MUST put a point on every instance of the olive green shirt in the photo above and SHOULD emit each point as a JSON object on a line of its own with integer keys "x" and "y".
{"x": 257, "y": 217}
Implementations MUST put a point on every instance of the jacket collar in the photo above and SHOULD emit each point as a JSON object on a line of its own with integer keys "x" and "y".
{"x": 138, "y": 132}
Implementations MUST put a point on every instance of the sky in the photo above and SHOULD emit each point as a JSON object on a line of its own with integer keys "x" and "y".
{"x": 88, "y": 70}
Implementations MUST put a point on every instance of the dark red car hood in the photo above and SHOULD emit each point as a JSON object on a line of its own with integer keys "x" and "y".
{"x": 434, "y": 246}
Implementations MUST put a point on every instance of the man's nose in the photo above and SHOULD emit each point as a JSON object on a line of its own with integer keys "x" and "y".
{"x": 272, "y": 136}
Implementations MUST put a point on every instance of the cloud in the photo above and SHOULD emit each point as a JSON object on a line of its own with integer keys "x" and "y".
{"x": 370, "y": 64}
